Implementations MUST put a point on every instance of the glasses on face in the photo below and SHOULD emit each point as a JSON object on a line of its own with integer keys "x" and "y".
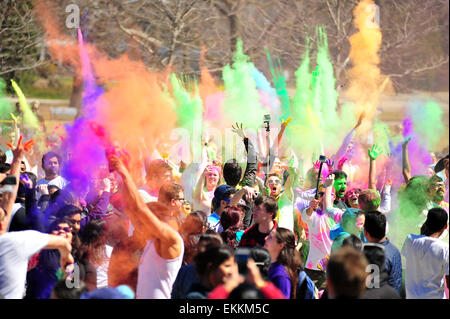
{"x": 182, "y": 200}
{"x": 274, "y": 181}
{"x": 65, "y": 229}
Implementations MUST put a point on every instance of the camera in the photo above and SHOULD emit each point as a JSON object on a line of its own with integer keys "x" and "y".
{"x": 9, "y": 180}
{"x": 267, "y": 118}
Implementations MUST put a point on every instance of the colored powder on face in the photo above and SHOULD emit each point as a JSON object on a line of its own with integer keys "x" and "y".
{"x": 241, "y": 92}
{"x": 29, "y": 118}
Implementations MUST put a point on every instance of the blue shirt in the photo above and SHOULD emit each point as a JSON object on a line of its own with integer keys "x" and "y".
{"x": 214, "y": 222}
{"x": 280, "y": 278}
{"x": 393, "y": 265}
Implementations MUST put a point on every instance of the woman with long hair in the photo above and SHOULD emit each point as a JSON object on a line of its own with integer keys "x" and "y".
{"x": 92, "y": 253}
{"x": 286, "y": 261}
{"x": 232, "y": 221}
{"x": 206, "y": 185}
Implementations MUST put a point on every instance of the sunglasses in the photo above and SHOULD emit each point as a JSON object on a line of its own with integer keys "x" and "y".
{"x": 65, "y": 229}
{"x": 276, "y": 181}
{"x": 182, "y": 200}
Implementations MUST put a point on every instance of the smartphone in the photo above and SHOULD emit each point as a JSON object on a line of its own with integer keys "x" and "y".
{"x": 322, "y": 158}
{"x": 242, "y": 259}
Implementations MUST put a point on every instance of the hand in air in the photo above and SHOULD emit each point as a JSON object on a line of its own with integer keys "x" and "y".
{"x": 376, "y": 150}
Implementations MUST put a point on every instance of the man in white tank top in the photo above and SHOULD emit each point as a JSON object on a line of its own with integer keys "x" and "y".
{"x": 163, "y": 254}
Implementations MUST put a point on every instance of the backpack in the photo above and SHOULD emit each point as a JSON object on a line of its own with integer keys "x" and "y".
{"x": 306, "y": 289}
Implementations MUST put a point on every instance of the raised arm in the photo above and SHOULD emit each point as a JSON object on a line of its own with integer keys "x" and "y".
{"x": 328, "y": 196}
{"x": 406, "y": 168}
{"x": 252, "y": 163}
{"x": 64, "y": 247}
{"x": 9, "y": 197}
{"x": 347, "y": 140}
{"x": 373, "y": 154}
{"x": 289, "y": 185}
{"x": 145, "y": 221}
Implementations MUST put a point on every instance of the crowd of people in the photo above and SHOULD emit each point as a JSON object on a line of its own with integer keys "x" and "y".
{"x": 219, "y": 229}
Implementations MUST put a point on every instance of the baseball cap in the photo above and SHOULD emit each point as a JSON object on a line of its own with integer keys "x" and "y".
{"x": 220, "y": 191}
{"x": 440, "y": 165}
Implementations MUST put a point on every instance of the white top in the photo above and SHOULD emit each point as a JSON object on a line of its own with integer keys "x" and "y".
{"x": 319, "y": 234}
{"x": 59, "y": 181}
{"x": 156, "y": 275}
{"x": 426, "y": 266}
{"x": 285, "y": 216}
{"x": 102, "y": 271}
{"x": 16, "y": 248}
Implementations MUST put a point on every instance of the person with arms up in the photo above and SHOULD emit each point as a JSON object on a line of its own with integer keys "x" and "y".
{"x": 16, "y": 248}
{"x": 163, "y": 254}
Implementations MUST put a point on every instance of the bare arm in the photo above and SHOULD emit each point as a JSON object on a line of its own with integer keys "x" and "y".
{"x": 328, "y": 198}
{"x": 288, "y": 186}
{"x": 373, "y": 154}
{"x": 142, "y": 217}
{"x": 406, "y": 168}
{"x": 9, "y": 198}
{"x": 347, "y": 140}
{"x": 197, "y": 193}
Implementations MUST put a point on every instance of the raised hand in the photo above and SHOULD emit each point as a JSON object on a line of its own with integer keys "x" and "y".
{"x": 361, "y": 118}
{"x": 316, "y": 164}
{"x": 285, "y": 123}
{"x": 43, "y": 189}
{"x": 341, "y": 163}
{"x": 314, "y": 204}
{"x": 20, "y": 150}
{"x": 376, "y": 150}
{"x": 406, "y": 141}
{"x": 115, "y": 163}
{"x": 239, "y": 130}
{"x": 26, "y": 181}
{"x": 330, "y": 164}
{"x": 329, "y": 180}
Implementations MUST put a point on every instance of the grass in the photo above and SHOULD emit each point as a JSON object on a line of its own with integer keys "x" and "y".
{"x": 63, "y": 92}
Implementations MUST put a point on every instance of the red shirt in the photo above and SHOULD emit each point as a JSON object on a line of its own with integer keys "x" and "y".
{"x": 269, "y": 291}
{"x": 253, "y": 237}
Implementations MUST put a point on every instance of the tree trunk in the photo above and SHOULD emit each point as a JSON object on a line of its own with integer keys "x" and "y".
{"x": 77, "y": 94}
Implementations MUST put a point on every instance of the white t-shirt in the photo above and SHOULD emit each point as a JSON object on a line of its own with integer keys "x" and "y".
{"x": 426, "y": 266}
{"x": 285, "y": 216}
{"x": 156, "y": 275}
{"x": 59, "y": 181}
{"x": 319, "y": 234}
{"x": 16, "y": 248}
{"x": 102, "y": 271}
